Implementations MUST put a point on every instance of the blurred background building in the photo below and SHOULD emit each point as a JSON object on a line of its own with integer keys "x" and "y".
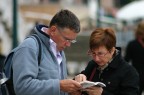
{"x": 92, "y": 13}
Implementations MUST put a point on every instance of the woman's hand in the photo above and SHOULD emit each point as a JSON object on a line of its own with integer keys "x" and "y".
{"x": 94, "y": 90}
{"x": 80, "y": 78}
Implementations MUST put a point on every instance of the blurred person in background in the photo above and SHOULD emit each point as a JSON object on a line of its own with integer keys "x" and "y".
{"x": 48, "y": 78}
{"x": 108, "y": 66}
{"x": 135, "y": 53}
{"x": 2, "y": 57}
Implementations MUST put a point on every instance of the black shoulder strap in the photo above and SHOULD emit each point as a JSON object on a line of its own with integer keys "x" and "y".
{"x": 39, "y": 43}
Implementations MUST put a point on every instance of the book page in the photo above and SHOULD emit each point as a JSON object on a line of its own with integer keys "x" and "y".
{"x": 86, "y": 84}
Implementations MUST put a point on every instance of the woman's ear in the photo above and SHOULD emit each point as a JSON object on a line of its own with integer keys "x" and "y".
{"x": 113, "y": 50}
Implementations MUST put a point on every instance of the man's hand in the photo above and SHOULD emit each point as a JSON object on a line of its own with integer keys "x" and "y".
{"x": 69, "y": 85}
{"x": 75, "y": 93}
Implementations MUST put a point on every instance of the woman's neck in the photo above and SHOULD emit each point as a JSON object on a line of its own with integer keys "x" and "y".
{"x": 141, "y": 42}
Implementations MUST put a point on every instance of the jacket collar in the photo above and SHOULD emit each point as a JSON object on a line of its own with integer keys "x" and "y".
{"x": 115, "y": 63}
{"x": 42, "y": 35}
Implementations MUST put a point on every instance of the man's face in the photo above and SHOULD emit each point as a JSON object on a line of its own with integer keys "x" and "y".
{"x": 63, "y": 37}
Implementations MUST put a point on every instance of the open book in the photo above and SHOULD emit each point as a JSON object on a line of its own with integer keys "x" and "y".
{"x": 86, "y": 84}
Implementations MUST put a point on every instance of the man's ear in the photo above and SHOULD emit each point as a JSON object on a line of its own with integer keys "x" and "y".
{"x": 52, "y": 30}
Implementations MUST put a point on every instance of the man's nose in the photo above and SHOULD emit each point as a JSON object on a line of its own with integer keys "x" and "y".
{"x": 68, "y": 44}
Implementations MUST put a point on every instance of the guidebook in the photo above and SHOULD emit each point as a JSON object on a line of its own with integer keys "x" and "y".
{"x": 86, "y": 84}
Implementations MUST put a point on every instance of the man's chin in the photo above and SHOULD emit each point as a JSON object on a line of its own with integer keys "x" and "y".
{"x": 61, "y": 49}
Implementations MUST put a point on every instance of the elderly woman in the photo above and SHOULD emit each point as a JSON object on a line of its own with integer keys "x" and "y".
{"x": 108, "y": 66}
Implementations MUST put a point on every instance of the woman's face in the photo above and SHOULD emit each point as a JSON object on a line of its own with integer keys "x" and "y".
{"x": 101, "y": 55}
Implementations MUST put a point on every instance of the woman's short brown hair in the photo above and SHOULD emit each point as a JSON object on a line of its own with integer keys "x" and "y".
{"x": 102, "y": 37}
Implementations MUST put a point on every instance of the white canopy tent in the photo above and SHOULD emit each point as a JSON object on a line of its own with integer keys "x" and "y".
{"x": 131, "y": 11}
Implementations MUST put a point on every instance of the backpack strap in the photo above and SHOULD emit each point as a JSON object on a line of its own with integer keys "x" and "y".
{"x": 6, "y": 84}
{"x": 7, "y": 67}
{"x": 40, "y": 51}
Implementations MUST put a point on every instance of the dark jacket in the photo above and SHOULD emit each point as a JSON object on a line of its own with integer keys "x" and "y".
{"x": 120, "y": 78}
{"x": 135, "y": 53}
